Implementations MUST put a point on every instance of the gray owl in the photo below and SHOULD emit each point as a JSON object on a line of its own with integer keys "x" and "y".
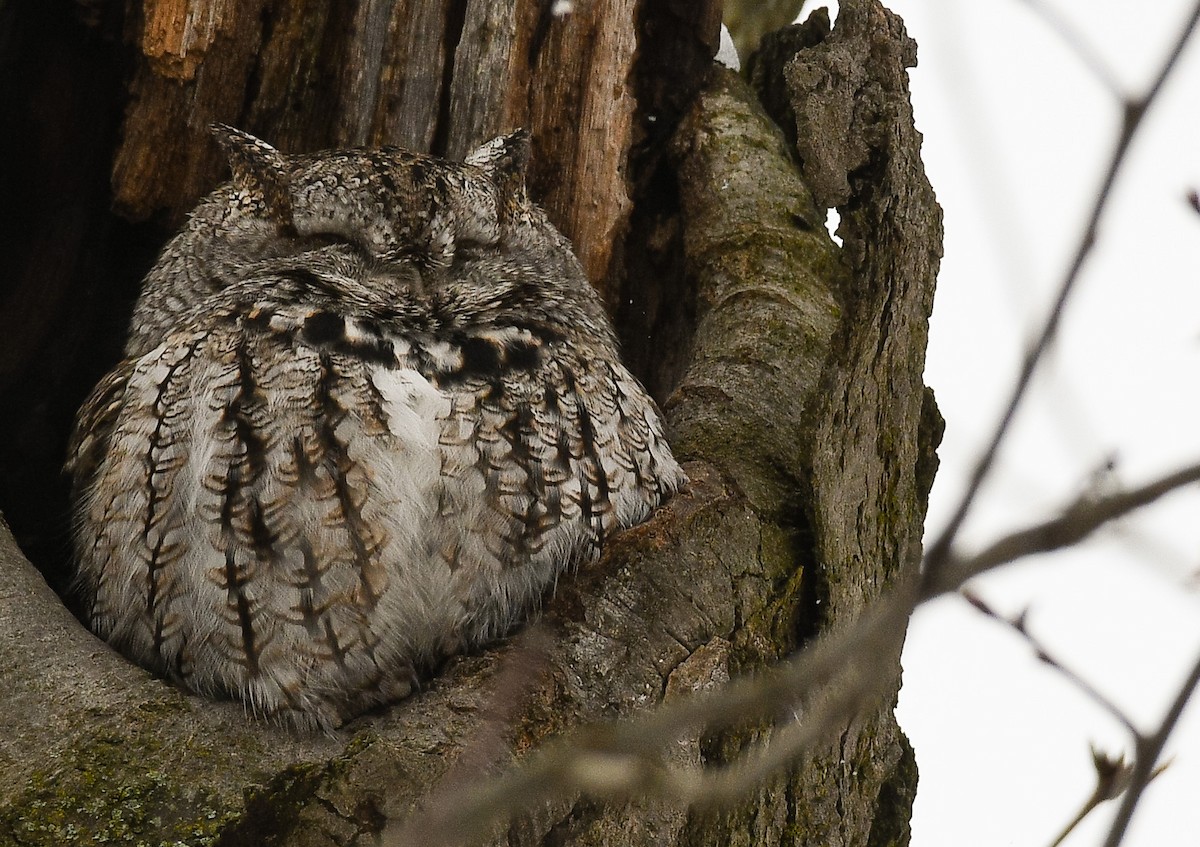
{"x": 370, "y": 410}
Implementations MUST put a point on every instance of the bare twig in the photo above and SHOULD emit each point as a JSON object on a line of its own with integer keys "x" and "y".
{"x": 485, "y": 751}
{"x": 1134, "y": 112}
{"x": 1018, "y": 625}
{"x": 1077, "y": 522}
{"x": 1112, "y": 777}
{"x": 1082, "y": 48}
{"x": 1072, "y": 526}
{"x": 1147, "y": 751}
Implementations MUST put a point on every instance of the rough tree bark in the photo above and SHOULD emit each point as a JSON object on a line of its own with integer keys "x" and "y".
{"x": 789, "y": 368}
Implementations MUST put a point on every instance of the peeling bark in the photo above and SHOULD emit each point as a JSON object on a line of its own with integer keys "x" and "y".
{"x": 436, "y": 75}
{"x": 797, "y": 402}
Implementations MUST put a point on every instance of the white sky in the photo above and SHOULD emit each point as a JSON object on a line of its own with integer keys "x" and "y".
{"x": 1016, "y": 136}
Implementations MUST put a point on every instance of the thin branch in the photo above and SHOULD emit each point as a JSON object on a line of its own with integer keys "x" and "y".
{"x": 1172, "y": 58}
{"x": 1043, "y": 654}
{"x": 1112, "y": 778}
{"x": 1149, "y": 748}
{"x": 1134, "y": 112}
{"x": 1077, "y": 522}
{"x": 1082, "y": 48}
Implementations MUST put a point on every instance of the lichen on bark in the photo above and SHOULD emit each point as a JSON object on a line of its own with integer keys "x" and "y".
{"x": 841, "y": 455}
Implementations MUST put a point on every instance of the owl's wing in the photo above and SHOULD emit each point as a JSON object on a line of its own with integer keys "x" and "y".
{"x": 94, "y": 423}
{"x": 258, "y": 497}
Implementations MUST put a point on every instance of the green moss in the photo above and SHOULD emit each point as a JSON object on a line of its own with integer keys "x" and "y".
{"x": 360, "y": 743}
{"x": 129, "y": 789}
{"x": 770, "y": 630}
{"x": 98, "y": 794}
{"x": 273, "y": 810}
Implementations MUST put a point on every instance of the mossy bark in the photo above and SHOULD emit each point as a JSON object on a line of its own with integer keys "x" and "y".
{"x": 795, "y": 399}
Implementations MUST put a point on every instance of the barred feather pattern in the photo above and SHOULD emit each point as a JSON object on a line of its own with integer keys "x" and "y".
{"x": 338, "y": 452}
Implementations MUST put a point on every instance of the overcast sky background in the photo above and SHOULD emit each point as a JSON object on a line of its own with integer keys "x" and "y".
{"x": 1017, "y": 133}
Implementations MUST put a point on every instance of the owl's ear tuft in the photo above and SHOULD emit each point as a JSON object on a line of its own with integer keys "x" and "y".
{"x": 505, "y": 157}
{"x": 258, "y": 169}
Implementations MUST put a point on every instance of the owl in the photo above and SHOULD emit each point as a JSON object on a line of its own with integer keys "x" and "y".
{"x": 370, "y": 409}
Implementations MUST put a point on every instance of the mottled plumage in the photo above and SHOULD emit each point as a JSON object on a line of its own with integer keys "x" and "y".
{"x": 370, "y": 410}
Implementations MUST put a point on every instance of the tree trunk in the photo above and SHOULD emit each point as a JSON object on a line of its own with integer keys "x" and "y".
{"x": 789, "y": 369}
